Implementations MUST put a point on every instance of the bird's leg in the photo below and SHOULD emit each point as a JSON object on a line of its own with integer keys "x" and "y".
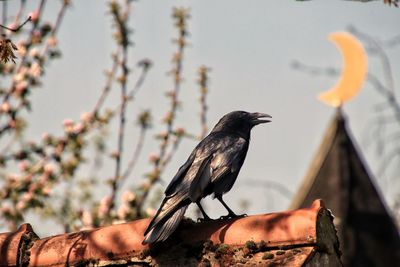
{"x": 205, "y": 216}
{"x": 231, "y": 214}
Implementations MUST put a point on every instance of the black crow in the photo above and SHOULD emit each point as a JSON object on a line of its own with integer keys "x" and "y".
{"x": 211, "y": 168}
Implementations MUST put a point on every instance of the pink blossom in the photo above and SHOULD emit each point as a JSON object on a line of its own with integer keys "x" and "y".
{"x": 163, "y": 134}
{"x": 34, "y": 52}
{"x": 68, "y": 125}
{"x": 12, "y": 123}
{"x": 87, "y": 218}
{"x": 128, "y": 196}
{"x": 78, "y": 128}
{"x": 52, "y": 41}
{"x": 21, "y": 205}
{"x": 26, "y": 197}
{"x": 21, "y": 87}
{"x": 104, "y": 206}
{"x": 105, "y": 201}
{"x": 180, "y": 131}
{"x": 23, "y": 165}
{"x": 68, "y": 122}
{"x": 28, "y": 178}
{"x": 21, "y": 48}
{"x": 122, "y": 211}
{"x": 86, "y": 117}
{"x": 34, "y": 15}
{"x": 5, "y": 107}
{"x": 35, "y": 70}
{"x": 153, "y": 157}
{"x": 13, "y": 25}
{"x": 46, "y": 190}
{"x": 21, "y": 75}
{"x": 32, "y": 188}
{"x": 43, "y": 178}
{"x": 48, "y": 168}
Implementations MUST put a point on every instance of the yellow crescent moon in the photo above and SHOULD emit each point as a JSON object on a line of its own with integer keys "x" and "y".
{"x": 354, "y": 70}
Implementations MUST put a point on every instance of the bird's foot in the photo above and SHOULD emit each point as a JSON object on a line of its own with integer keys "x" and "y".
{"x": 232, "y": 216}
{"x": 206, "y": 219}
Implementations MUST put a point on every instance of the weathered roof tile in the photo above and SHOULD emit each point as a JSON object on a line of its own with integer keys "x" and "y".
{"x": 290, "y": 238}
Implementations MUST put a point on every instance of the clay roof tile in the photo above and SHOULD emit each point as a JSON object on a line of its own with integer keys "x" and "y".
{"x": 289, "y": 238}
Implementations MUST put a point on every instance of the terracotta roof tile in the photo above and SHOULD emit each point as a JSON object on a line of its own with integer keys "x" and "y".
{"x": 12, "y": 243}
{"x": 279, "y": 229}
{"x": 290, "y": 238}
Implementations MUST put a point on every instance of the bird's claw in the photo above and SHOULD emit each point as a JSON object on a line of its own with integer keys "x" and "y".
{"x": 200, "y": 220}
{"x": 232, "y": 216}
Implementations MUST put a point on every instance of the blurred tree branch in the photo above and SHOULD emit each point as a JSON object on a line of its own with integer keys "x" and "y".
{"x": 17, "y": 28}
{"x": 180, "y": 15}
{"x": 44, "y": 178}
{"x": 389, "y": 2}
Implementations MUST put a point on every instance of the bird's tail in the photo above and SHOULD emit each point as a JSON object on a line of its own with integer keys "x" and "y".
{"x": 165, "y": 221}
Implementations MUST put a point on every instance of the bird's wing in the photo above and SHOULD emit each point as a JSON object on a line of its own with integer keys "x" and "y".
{"x": 201, "y": 178}
{"x": 177, "y": 192}
{"x": 171, "y": 188}
{"x": 162, "y": 230}
{"x": 228, "y": 158}
{"x": 193, "y": 167}
{"x": 222, "y": 156}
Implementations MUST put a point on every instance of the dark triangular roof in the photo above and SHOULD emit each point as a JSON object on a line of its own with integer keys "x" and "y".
{"x": 338, "y": 174}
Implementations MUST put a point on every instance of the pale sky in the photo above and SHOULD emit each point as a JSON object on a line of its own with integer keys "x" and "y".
{"x": 249, "y": 45}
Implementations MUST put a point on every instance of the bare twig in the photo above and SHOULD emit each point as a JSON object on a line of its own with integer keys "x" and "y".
{"x": 138, "y": 84}
{"x": 135, "y": 156}
{"x": 19, "y": 27}
{"x": 57, "y": 24}
{"x": 121, "y": 130}
{"x": 20, "y": 11}
{"x": 121, "y": 23}
{"x": 203, "y": 82}
{"x": 168, "y": 156}
{"x": 389, "y": 2}
{"x": 145, "y": 64}
{"x": 30, "y": 41}
{"x": 12, "y": 88}
{"x": 110, "y": 78}
{"x": 180, "y": 16}
{"x": 4, "y": 18}
{"x": 382, "y": 55}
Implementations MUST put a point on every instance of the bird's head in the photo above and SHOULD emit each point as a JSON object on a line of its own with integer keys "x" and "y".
{"x": 241, "y": 122}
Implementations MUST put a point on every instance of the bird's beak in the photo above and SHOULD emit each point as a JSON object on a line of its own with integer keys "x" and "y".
{"x": 256, "y": 118}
